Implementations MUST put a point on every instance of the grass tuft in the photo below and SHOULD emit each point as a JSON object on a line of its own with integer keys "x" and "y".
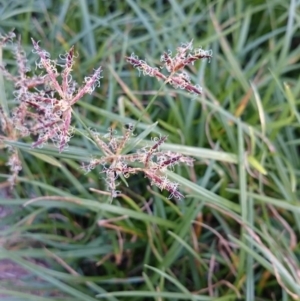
{"x": 231, "y": 231}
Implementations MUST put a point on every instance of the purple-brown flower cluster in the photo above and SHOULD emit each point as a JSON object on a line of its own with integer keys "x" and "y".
{"x": 148, "y": 160}
{"x": 43, "y": 102}
{"x": 174, "y": 65}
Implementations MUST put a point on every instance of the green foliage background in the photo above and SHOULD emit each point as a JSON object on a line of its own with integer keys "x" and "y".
{"x": 235, "y": 235}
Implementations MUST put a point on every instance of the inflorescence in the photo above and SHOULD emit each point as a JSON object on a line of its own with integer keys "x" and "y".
{"x": 148, "y": 160}
{"x": 43, "y": 103}
{"x": 174, "y": 65}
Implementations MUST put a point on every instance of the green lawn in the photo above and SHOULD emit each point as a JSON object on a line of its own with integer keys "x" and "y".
{"x": 119, "y": 212}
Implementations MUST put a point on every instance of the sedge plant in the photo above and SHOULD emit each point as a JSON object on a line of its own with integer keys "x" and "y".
{"x": 43, "y": 111}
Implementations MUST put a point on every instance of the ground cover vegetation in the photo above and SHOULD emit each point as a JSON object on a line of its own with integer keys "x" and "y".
{"x": 149, "y": 150}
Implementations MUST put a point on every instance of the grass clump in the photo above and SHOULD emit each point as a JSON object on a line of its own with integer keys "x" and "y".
{"x": 221, "y": 132}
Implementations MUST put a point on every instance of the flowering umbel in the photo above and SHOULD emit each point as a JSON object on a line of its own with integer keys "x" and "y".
{"x": 44, "y": 101}
{"x": 174, "y": 65}
{"x": 150, "y": 161}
